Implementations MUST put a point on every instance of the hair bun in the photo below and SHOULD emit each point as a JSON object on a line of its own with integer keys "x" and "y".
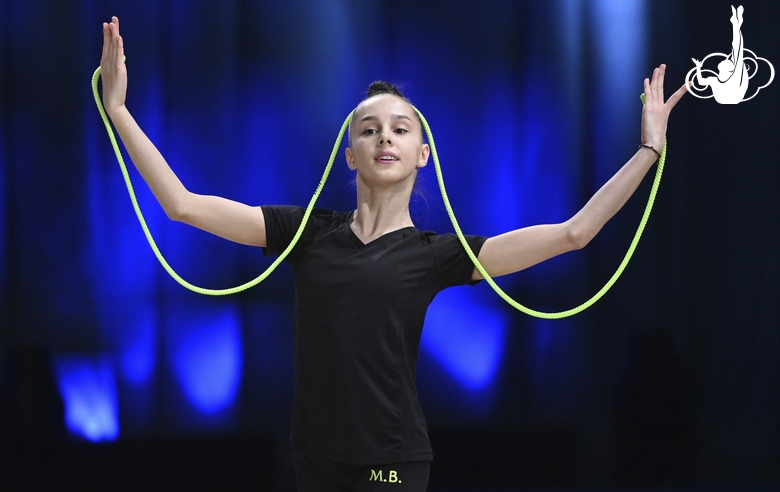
{"x": 383, "y": 87}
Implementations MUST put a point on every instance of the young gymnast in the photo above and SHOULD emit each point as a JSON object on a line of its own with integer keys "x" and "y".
{"x": 364, "y": 278}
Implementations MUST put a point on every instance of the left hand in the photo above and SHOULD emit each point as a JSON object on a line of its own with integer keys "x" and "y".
{"x": 113, "y": 72}
{"x": 655, "y": 112}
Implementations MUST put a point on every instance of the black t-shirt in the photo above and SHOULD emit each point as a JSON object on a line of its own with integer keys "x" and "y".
{"x": 359, "y": 315}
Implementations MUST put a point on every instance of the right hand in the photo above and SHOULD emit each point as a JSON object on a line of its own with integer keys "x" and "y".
{"x": 655, "y": 112}
{"x": 112, "y": 66}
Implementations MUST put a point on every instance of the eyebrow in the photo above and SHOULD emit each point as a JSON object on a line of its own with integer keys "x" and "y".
{"x": 395, "y": 117}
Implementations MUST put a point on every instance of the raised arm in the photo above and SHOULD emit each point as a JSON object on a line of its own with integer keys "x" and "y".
{"x": 226, "y": 218}
{"x": 522, "y": 248}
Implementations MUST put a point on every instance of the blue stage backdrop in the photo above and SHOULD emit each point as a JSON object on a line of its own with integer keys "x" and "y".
{"x": 533, "y": 104}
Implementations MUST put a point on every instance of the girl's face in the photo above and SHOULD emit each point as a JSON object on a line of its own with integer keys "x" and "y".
{"x": 386, "y": 142}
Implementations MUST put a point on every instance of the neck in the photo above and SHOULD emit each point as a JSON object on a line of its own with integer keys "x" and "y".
{"x": 381, "y": 210}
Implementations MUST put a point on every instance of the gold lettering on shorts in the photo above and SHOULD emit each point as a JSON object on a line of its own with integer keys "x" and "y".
{"x": 377, "y": 476}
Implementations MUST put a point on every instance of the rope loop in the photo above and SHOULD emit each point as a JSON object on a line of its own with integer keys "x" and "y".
{"x": 148, "y": 234}
{"x": 321, "y": 185}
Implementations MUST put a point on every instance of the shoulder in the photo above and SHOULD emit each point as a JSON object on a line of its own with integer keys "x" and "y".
{"x": 450, "y": 244}
{"x": 283, "y": 221}
{"x": 435, "y": 239}
{"x": 449, "y": 239}
{"x": 327, "y": 219}
{"x": 294, "y": 213}
{"x": 453, "y": 262}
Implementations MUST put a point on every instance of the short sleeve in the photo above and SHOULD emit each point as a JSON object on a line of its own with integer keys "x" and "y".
{"x": 455, "y": 266}
{"x": 281, "y": 224}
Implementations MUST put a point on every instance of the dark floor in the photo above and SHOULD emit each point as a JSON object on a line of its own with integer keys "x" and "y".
{"x": 260, "y": 463}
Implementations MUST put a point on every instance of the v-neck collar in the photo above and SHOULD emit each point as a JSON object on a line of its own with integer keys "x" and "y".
{"x": 359, "y": 242}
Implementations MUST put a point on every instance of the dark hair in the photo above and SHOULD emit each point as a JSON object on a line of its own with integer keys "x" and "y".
{"x": 383, "y": 87}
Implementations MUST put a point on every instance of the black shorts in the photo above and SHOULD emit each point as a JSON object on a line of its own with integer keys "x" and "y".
{"x": 317, "y": 473}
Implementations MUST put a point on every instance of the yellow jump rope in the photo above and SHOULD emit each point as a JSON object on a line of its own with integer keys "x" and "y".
{"x": 321, "y": 185}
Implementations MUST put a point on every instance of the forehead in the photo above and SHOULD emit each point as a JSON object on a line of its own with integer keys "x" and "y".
{"x": 383, "y": 105}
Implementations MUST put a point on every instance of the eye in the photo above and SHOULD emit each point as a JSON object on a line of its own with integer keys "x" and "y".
{"x": 369, "y": 131}
{"x": 401, "y": 131}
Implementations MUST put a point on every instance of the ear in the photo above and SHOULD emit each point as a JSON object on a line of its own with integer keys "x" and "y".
{"x": 424, "y": 154}
{"x": 350, "y": 159}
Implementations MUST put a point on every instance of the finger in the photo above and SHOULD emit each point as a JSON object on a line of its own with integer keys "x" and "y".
{"x": 649, "y": 89}
{"x": 116, "y": 40}
{"x": 659, "y": 88}
{"x": 106, "y": 42}
{"x": 120, "y": 45}
{"x": 651, "y": 94}
{"x": 111, "y": 52}
{"x": 676, "y": 96}
{"x": 120, "y": 51}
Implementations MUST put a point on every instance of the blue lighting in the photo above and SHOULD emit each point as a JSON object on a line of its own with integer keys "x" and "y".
{"x": 525, "y": 174}
{"x": 620, "y": 29}
{"x": 464, "y": 337}
{"x": 137, "y": 352}
{"x": 544, "y": 185}
{"x": 88, "y": 389}
{"x": 501, "y": 160}
{"x": 121, "y": 267}
{"x": 206, "y": 354}
{"x": 553, "y": 366}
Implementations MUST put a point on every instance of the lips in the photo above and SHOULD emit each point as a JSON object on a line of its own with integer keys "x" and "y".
{"x": 385, "y": 157}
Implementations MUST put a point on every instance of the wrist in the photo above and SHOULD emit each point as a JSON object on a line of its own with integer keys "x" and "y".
{"x": 651, "y": 148}
{"x": 114, "y": 110}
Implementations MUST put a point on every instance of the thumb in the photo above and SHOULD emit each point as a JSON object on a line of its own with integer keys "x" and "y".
{"x": 674, "y": 98}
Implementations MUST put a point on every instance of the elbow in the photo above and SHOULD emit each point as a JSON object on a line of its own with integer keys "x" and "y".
{"x": 577, "y": 237}
{"x": 178, "y": 210}
{"x": 175, "y": 215}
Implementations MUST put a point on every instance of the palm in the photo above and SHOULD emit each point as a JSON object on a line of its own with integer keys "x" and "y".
{"x": 112, "y": 66}
{"x": 655, "y": 113}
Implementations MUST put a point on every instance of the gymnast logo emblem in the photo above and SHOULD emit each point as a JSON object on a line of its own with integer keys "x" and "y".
{"x": 730, "y": 84}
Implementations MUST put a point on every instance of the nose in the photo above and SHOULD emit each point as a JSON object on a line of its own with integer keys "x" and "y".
{"x": 384, "y": 139}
